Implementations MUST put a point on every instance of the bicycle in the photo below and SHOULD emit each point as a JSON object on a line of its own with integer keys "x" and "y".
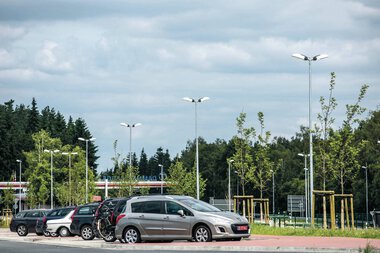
{"x": 104, "y": 227}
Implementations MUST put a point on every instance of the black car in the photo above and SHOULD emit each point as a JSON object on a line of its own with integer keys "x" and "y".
{"x": 25, "y": 221}
{"x": 82, "y": 220}
{"x": 54, "y": 214}
{"x": 113, "y": 207}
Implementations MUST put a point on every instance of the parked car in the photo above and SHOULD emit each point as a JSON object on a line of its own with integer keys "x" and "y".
{"x": 25, "y": 221}
{"x": 82, "y": 219}
{"x": 105, "y": 218}
{"x": 61, "y": 226}
{"x": 50, "y": 227}
{"x": 177, "y": 217}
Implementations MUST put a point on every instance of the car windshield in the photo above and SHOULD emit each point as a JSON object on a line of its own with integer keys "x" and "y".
{"x": 199, "y": 205}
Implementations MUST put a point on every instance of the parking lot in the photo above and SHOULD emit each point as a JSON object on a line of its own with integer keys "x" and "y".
{"x": 252, "y": 244}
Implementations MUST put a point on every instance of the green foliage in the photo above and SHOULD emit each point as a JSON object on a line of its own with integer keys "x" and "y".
{"x": 243, "y": 161}
{"x": 259, "y": 229}
{"x": 7, "y": 198}
{"x": 183, "y": 182}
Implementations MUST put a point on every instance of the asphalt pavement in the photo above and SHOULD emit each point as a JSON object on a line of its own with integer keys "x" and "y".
{"x": 256, "y": 243}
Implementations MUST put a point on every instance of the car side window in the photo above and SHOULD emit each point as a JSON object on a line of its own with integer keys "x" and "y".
{"x": 173, "y": 208}
{"x": 137, "y": 207}
{"x": 152, "y": 207}
{"x": 33, "y": 214}
{"x": 84, "y": 211}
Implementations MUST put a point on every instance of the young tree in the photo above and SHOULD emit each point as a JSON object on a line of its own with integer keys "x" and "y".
{"x": 323, "y": 160}
{"x": 344, "y": 150}
{"x": 243, "y": 160}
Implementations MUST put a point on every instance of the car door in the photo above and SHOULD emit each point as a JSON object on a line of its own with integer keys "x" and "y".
{"x": 175, "y": 225}
{"x": 31, "y": 219}
{"x": 149, "y": 216}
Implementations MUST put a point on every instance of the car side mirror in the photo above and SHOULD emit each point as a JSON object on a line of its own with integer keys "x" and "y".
{"x": 181, "y": 213}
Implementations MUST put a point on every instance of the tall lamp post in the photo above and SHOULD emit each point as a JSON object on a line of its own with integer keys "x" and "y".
{"x": 130, "y": 149}
{"x": 196, "y": 101}
{"x": 310, "y": 59}
{"x": 86, "y": 140}
{"x": 273, "y": 209}
{"x": 20, "y": 162}
{"x": 51, "y": 175}
{"x": 366, "y": 191}
{"x": 306, "y": 185}
{"x": 229, "y": 184}
{"x": 69, "y": 154}
{"x": 162, "y": 178}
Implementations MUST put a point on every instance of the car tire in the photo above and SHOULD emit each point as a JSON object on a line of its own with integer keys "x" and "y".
{"x": 22, "y": 230}
{"x": 202, "y": 234}
{"x": 87, "y": 233}
{"x": 39, "y": 234}
{"x": 64, "y": 232}
{"x": 131, "y": 235}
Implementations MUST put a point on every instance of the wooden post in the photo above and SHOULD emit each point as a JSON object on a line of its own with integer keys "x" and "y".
{"x": 252, "y": 210}
{"x": 352, "y": 211}
{"x": 332, "y": 211}
{"x": 235, "y": 204}
{"x": 346, "y": 209}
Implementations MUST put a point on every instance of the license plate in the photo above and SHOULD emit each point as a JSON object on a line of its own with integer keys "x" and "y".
{"x": 242, "y": 228}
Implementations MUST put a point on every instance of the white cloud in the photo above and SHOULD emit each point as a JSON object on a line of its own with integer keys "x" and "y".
{"x": 51, "y": 57}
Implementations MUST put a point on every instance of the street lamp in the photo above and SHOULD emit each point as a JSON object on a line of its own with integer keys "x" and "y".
{"x": 130, "y": 149}
{"x": 306, "y": 185}
{"x": 69, "y": 154}
{"x": 162, "y": 178}
{"x": 310, "y": 59}
{"x": 51, "y": 175}
{"x": 229, "y": 184}
{"x": 19, "y": 161}
{"x": 192, "y": 100}
{"x": 86, "y": 140}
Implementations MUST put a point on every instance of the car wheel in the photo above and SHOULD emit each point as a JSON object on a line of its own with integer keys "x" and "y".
{"x": 87, "y": 233}
{"x": 22, "y": 230}
{"x": 202, "y": 234}
{"x": 132, "y": 235}
{"x": 64, "y": 232}
{"x": 110, "y": 237}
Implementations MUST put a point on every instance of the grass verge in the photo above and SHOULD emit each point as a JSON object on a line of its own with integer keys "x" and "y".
{"x": 259, "y": 229}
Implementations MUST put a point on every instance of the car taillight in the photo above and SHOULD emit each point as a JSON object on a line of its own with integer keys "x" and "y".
{"x": 75, "y": 211}
{"x": 120, "y": 217}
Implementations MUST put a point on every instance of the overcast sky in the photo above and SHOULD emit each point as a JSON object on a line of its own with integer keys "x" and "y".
{"x": 132, "y": 61}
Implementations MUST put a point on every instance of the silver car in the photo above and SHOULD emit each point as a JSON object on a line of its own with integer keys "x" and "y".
{"x": 177, "y": 218}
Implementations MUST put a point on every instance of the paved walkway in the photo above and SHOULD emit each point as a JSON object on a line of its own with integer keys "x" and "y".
{"x": 254, "y": 243}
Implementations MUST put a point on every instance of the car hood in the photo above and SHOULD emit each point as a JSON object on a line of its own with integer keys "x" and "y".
{"x": 228, "y": 216}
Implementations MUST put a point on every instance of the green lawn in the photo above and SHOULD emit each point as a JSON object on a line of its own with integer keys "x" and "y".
{"x": 290, "y": 231}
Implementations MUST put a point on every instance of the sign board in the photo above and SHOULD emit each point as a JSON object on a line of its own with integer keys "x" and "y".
{"x": 96, "y": 198}
{"x": 296, "y": 203}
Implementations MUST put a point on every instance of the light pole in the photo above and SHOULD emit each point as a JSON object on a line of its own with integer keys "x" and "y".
{"x": 69, "y": 154}
{"x": 306, "y": 185}
{"x": 19, "y": 161}
{"x": 51, "y": 175}
{"x": 310, "y": 59}
{"x": 86, "y": 140}
{"x": 130, "y": 149}
{"x": 199, "y": 100}
{"x": 366, "y": 191}
{"x": 229, "y": 184}
{"x": 273, "y": 209}
{"x": 162, "y": 178}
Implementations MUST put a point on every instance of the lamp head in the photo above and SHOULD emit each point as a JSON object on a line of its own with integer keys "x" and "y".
{"x": 203, "y": 99}
{"x": 19, "y": 161}
{"x": 320, "y": 57}
{"x": 137, "y": 124}
{"x": 188, "y": 99}
{"x": 301, "y": 57}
